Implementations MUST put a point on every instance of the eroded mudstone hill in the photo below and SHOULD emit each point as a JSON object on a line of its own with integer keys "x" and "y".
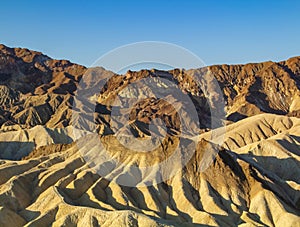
{"x": 253, "y": 184}
{"x": 37, "y": 90}
{"x": 48, "y": 109}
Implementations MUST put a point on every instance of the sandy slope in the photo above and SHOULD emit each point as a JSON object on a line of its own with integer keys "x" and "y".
{"x": 45, "y": 180}
{"x": 255, "y": 183}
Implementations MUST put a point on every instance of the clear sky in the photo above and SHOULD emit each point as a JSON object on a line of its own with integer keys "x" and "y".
{"x": 217, "y": 31}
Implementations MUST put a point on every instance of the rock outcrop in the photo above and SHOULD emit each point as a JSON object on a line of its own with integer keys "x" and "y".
{"x": 54, "y": 113}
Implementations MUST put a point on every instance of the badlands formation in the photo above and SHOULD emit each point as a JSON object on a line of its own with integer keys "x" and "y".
{"x": 46, "y": 180}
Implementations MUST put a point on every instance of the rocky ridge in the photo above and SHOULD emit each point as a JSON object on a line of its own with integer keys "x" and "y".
{"x": 45, "y": 180}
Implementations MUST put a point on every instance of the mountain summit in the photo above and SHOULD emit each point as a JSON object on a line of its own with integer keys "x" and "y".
{"x": 46, "y": 179}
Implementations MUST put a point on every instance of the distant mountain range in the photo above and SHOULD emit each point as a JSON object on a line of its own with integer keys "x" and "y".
{"x": 253, "y": 181}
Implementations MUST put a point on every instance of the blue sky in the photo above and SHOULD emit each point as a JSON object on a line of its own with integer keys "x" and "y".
{"x": 216, "y": 31}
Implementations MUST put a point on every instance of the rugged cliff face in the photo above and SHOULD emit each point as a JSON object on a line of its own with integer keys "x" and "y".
{"x": 47, "y": 105}
{"x": 37, "y": 90}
